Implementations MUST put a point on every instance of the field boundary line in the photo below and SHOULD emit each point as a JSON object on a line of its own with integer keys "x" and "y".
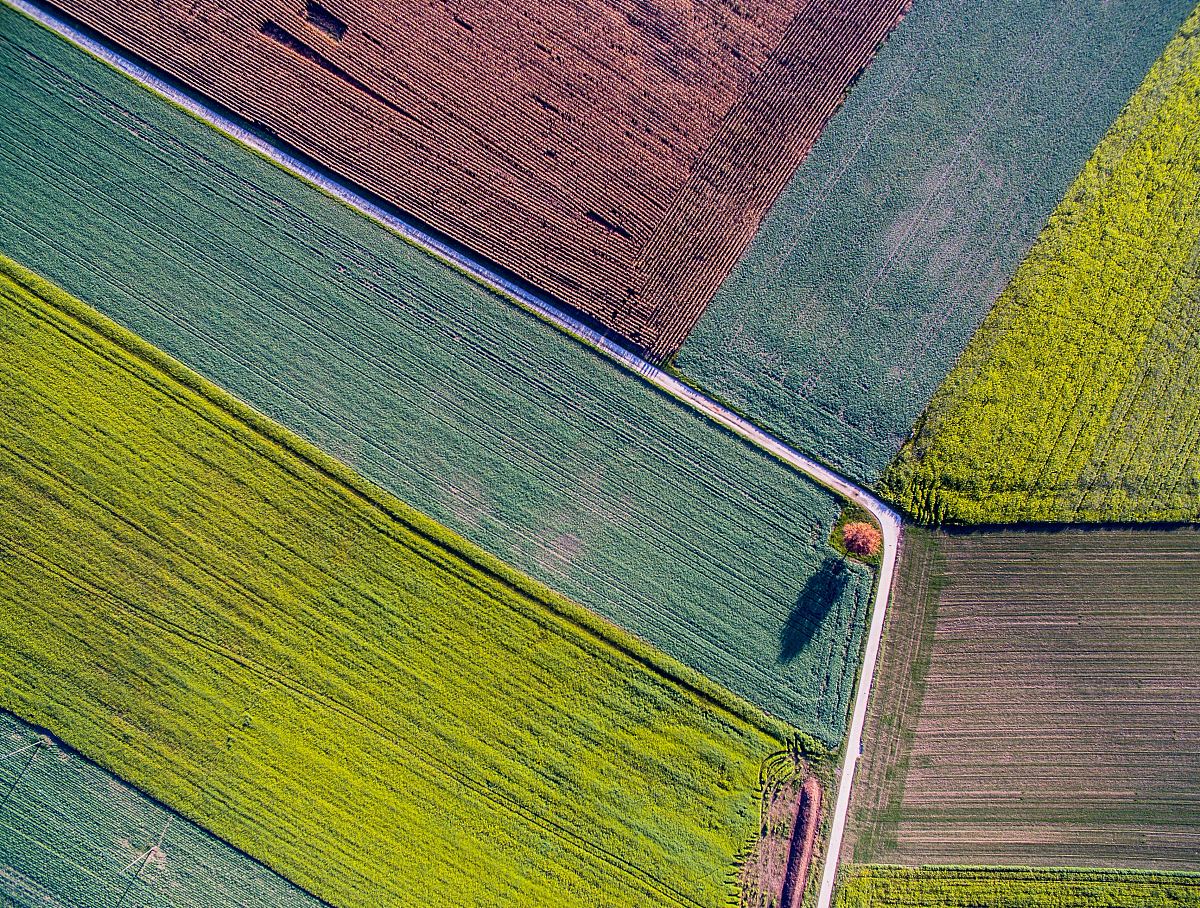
{"x": 544, "y": 308}
{"x": 548, "y": 606}
{"x": 274, "y": 676}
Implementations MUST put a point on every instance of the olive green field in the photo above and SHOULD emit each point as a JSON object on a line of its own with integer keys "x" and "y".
{"x": 307, "y": 668}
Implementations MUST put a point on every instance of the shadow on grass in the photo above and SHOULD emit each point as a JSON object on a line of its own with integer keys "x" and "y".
{"x": 812, "y": 605}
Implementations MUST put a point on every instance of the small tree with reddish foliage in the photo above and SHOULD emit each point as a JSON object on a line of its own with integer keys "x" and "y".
{"x": 861, "y": 538}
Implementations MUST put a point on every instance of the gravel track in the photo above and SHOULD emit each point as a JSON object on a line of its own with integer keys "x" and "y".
{"x": 543, "y": 307}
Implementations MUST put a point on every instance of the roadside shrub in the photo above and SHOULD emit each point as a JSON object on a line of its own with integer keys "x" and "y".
{"x": 862, "y": 538}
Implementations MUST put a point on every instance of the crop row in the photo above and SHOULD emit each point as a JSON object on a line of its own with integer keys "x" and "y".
{"x": 872, "y": 270}
{"x": 459, "y": 403}
{"x": 73, "y": 836}
{"x": 1079, "y": 398}
{"x": 612, "y": 158}
{"x": 766, "y": 135}
{"x": 1038, "y": 703}
{"x": 1002, "y": 887}
{"x": 321, "y": 676}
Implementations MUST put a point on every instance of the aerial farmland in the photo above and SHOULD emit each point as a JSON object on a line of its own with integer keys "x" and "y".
{"x": 537, "y": 449}
{"x": 599, "y": 453}
{"x": 1044, "y": 708}
{"x": 66, "y": 821}
{"x": 615, "y": 134}
{"x": 878, "y": 262}
{"x": 1098, "y": 420}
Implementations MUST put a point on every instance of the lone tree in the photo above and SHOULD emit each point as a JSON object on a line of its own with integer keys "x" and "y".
{"x": 861, "y": 538}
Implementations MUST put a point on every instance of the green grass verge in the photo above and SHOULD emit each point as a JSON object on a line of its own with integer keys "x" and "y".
{"x": 72, "y": 836}
{"x": 995, "y": 887}
{"x": 1078, "y": 399}
{"x": 875, "y": 266}
{"x": 521, "y": 439}
{"x": 321, "y": 676}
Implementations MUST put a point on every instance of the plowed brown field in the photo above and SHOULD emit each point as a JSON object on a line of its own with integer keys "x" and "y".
{"x": 1037, "y": 702}
{"x": 617, "y": 154}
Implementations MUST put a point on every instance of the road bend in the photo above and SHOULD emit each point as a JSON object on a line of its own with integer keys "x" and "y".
{"x": 889, "y": 520}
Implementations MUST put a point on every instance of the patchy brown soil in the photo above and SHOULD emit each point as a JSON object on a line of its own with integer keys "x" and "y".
{"x": 617, "y": 154}
{"x": 1037, "y": 703}
{"x": 776, "y": 872}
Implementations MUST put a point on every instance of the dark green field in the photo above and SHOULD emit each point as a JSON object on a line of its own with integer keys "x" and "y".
{"x": 1078, "y": 400}
{"x": 1037, "y": 702}
{"x": 467, "y": 408}
{"x": 874, "y": 268}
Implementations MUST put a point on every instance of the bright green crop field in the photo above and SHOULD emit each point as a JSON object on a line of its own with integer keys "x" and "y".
{"x": 317, "y": 674}
{"x": 1079, "y": 398}
{"x": 875, "y": 266}
{"x": 72, "y": 836}
{"x": 993, "y": 887}
{"x": 519, "y": 438}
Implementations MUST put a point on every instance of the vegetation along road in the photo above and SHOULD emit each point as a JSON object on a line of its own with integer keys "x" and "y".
{"x": 889, "y": 520}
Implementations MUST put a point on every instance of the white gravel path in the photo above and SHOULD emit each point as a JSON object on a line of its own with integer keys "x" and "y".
{"x": 888, "y": 519}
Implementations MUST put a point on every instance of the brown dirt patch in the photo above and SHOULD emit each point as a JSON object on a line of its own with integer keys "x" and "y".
{"x": 776, "y": 873}
{"x": 617, "y": 154}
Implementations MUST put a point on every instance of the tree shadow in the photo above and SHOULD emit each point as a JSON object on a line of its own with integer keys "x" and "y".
{"x": 812, "y": 605}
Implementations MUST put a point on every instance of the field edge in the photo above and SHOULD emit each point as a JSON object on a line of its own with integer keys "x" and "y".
{"x": 695, "y": 684}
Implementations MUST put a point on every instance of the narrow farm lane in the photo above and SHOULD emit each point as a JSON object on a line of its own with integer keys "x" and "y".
{"x": 888, "y": 519}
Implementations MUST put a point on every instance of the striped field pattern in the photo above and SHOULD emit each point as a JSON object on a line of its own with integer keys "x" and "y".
{"x": 464, "y": 406}
{"x": 875, "y": 266}
{"x": 617, "y": 155}
{"x": 319, "y": 675}
{"x": 1038, "y": 703}
{"x": 73, "y": 836}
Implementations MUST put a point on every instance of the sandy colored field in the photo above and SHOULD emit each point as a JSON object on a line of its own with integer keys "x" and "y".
{"x": 1038, "y": 702}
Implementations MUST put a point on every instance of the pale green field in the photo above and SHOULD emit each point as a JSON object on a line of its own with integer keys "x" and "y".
{"x": 314, "y": 672}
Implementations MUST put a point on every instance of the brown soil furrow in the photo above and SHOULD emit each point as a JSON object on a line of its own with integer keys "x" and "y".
{"x": 616, "y": 154}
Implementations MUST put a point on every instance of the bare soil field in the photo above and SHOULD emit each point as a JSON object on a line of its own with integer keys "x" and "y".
{"x": 775, "y": 875}
{"x": 1038, "y": 703}
{"x": 617, "y": 154}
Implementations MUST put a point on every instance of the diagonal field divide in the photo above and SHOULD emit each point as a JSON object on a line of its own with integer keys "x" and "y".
{"x": 547, "y": 310}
